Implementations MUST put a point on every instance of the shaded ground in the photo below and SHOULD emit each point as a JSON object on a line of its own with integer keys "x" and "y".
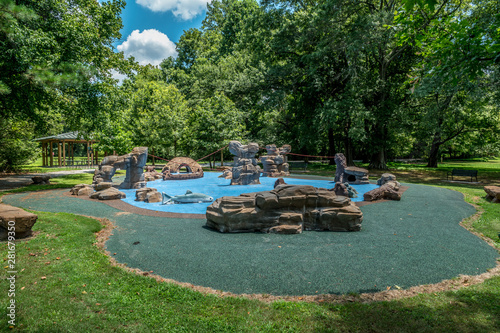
{"x": 8, "y": 182}
{"x": 402, "y": 244}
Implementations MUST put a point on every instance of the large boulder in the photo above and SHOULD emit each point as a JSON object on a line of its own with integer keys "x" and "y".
{"x": 286, "y": 209}
{"x": 148, "y": 194}
{"x": 493, "y": 193}
{"x": 17, "y": 220}
{"x": 388, "y": 191}
{"x": 82, "y": 190}
{"x": 108, "y": 194}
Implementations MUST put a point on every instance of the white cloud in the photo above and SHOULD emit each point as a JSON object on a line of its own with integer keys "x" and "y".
{"x": 118, "y": 76}
{"x": 186, "y": 9}
{"x": 148, "y": 47}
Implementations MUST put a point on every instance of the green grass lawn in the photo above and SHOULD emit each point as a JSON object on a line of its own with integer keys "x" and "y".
{"x": 65, "y": 283}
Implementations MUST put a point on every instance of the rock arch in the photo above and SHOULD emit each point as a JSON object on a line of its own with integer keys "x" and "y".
{"x": 172, "y": 168}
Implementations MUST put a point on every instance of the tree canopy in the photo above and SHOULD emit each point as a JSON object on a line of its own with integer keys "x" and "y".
{"x": 375, "y": 80}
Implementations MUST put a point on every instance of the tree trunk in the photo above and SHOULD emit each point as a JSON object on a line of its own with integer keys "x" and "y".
{"x": 331, "y": 146}
{"x": 348, "y": 150}
{"x": 432, "y": 162}
{"x": 378, "y": 160}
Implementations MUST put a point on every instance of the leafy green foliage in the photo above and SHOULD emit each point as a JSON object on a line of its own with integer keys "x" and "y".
{"x": 16, "y": 147}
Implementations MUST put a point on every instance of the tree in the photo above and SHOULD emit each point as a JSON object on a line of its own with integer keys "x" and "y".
{"x": 55, "y": 58}
{"x": 457, "y": 74}
{"x": 158, "y": 116}
{"x": 214, "y": 122}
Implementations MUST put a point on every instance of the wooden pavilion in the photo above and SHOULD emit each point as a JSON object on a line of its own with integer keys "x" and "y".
{"x": 65, "y": 146}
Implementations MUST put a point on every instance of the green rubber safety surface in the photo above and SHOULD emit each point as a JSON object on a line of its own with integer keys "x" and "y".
{"x": 415, "y": 241}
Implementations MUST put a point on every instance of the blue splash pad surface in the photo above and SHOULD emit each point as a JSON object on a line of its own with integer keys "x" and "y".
{"x": 216, "y": 187}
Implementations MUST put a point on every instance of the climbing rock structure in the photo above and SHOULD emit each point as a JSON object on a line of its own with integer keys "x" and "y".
{"x": 133, "y": 163}
{"x": 245, "y": 170}
{"x": 274, "y": 163}
{"x": 286, "y": 209}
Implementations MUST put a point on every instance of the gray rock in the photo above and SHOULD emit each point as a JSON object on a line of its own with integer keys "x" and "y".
{"x": 245, "y": 170}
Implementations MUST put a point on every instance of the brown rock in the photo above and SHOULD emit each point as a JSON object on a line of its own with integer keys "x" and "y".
{"x": 172, "y": 168}
{"x": 274, "y": 162}
{"x": 141, "y": 194}
{"x": 387, "y": 191}
{"x": 286, "y": 209}
{"x": 82, "y": 190}
{"x": 154, "y": 196}
{"x": 21, "y": 220}
{"x": 85, "y": 192}
{"x": 108, "y": 194}
{"x": 102, "y": 186}
{"x": 493, "y": 193}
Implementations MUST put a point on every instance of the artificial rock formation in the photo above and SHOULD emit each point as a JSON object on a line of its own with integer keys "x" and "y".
{"x": 148, "y": 194}
{"x": 356, "y": 175}
{"x": 227, "y": 173}
{"x": 275, "y": 162}
{"x": 286, "y": 209}
{"x": 133, "y": 163}
{"x": 151, "y": 174}
{"x": 108, "y": 194}
{"x": 389, "y": 189}
{"x": 245, "y": 170}
{"x": 171, "y": 170}
{"x": 493, "y": 193}
{"x": 351, "y": 175}
{"x": 82, "y": 190}
{"x": 17, "y": 220}
{"x": 341, "y": 164}
{"x": 345, "y": 190}
{"x": 386, "y": 177}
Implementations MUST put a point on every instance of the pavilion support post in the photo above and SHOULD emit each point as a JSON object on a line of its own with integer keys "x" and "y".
{"x": 96, "y": 157}
{"x": 51, "y": 153}
{"x": 44, "y": 153}
{"x": 88, "y": 154}
{"x": 59, "y": 144}
{"x": 222, "y": 157}
{"x": 64, "y": 152}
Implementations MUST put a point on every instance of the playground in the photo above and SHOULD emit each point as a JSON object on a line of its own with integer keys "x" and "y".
{"x": 403, "y": 244}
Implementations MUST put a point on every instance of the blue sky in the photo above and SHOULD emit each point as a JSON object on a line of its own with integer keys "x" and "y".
{"x": 151, "y": 27}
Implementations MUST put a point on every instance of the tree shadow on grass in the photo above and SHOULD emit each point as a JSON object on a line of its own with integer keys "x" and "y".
{"x": 466, "y": 310}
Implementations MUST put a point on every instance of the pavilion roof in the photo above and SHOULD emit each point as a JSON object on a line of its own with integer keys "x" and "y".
{"x": 63, "y": 136}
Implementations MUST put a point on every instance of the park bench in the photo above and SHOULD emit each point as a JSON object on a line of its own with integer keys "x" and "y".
{"x": 462, "y": 173}
{"x": 297, "y": 165}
